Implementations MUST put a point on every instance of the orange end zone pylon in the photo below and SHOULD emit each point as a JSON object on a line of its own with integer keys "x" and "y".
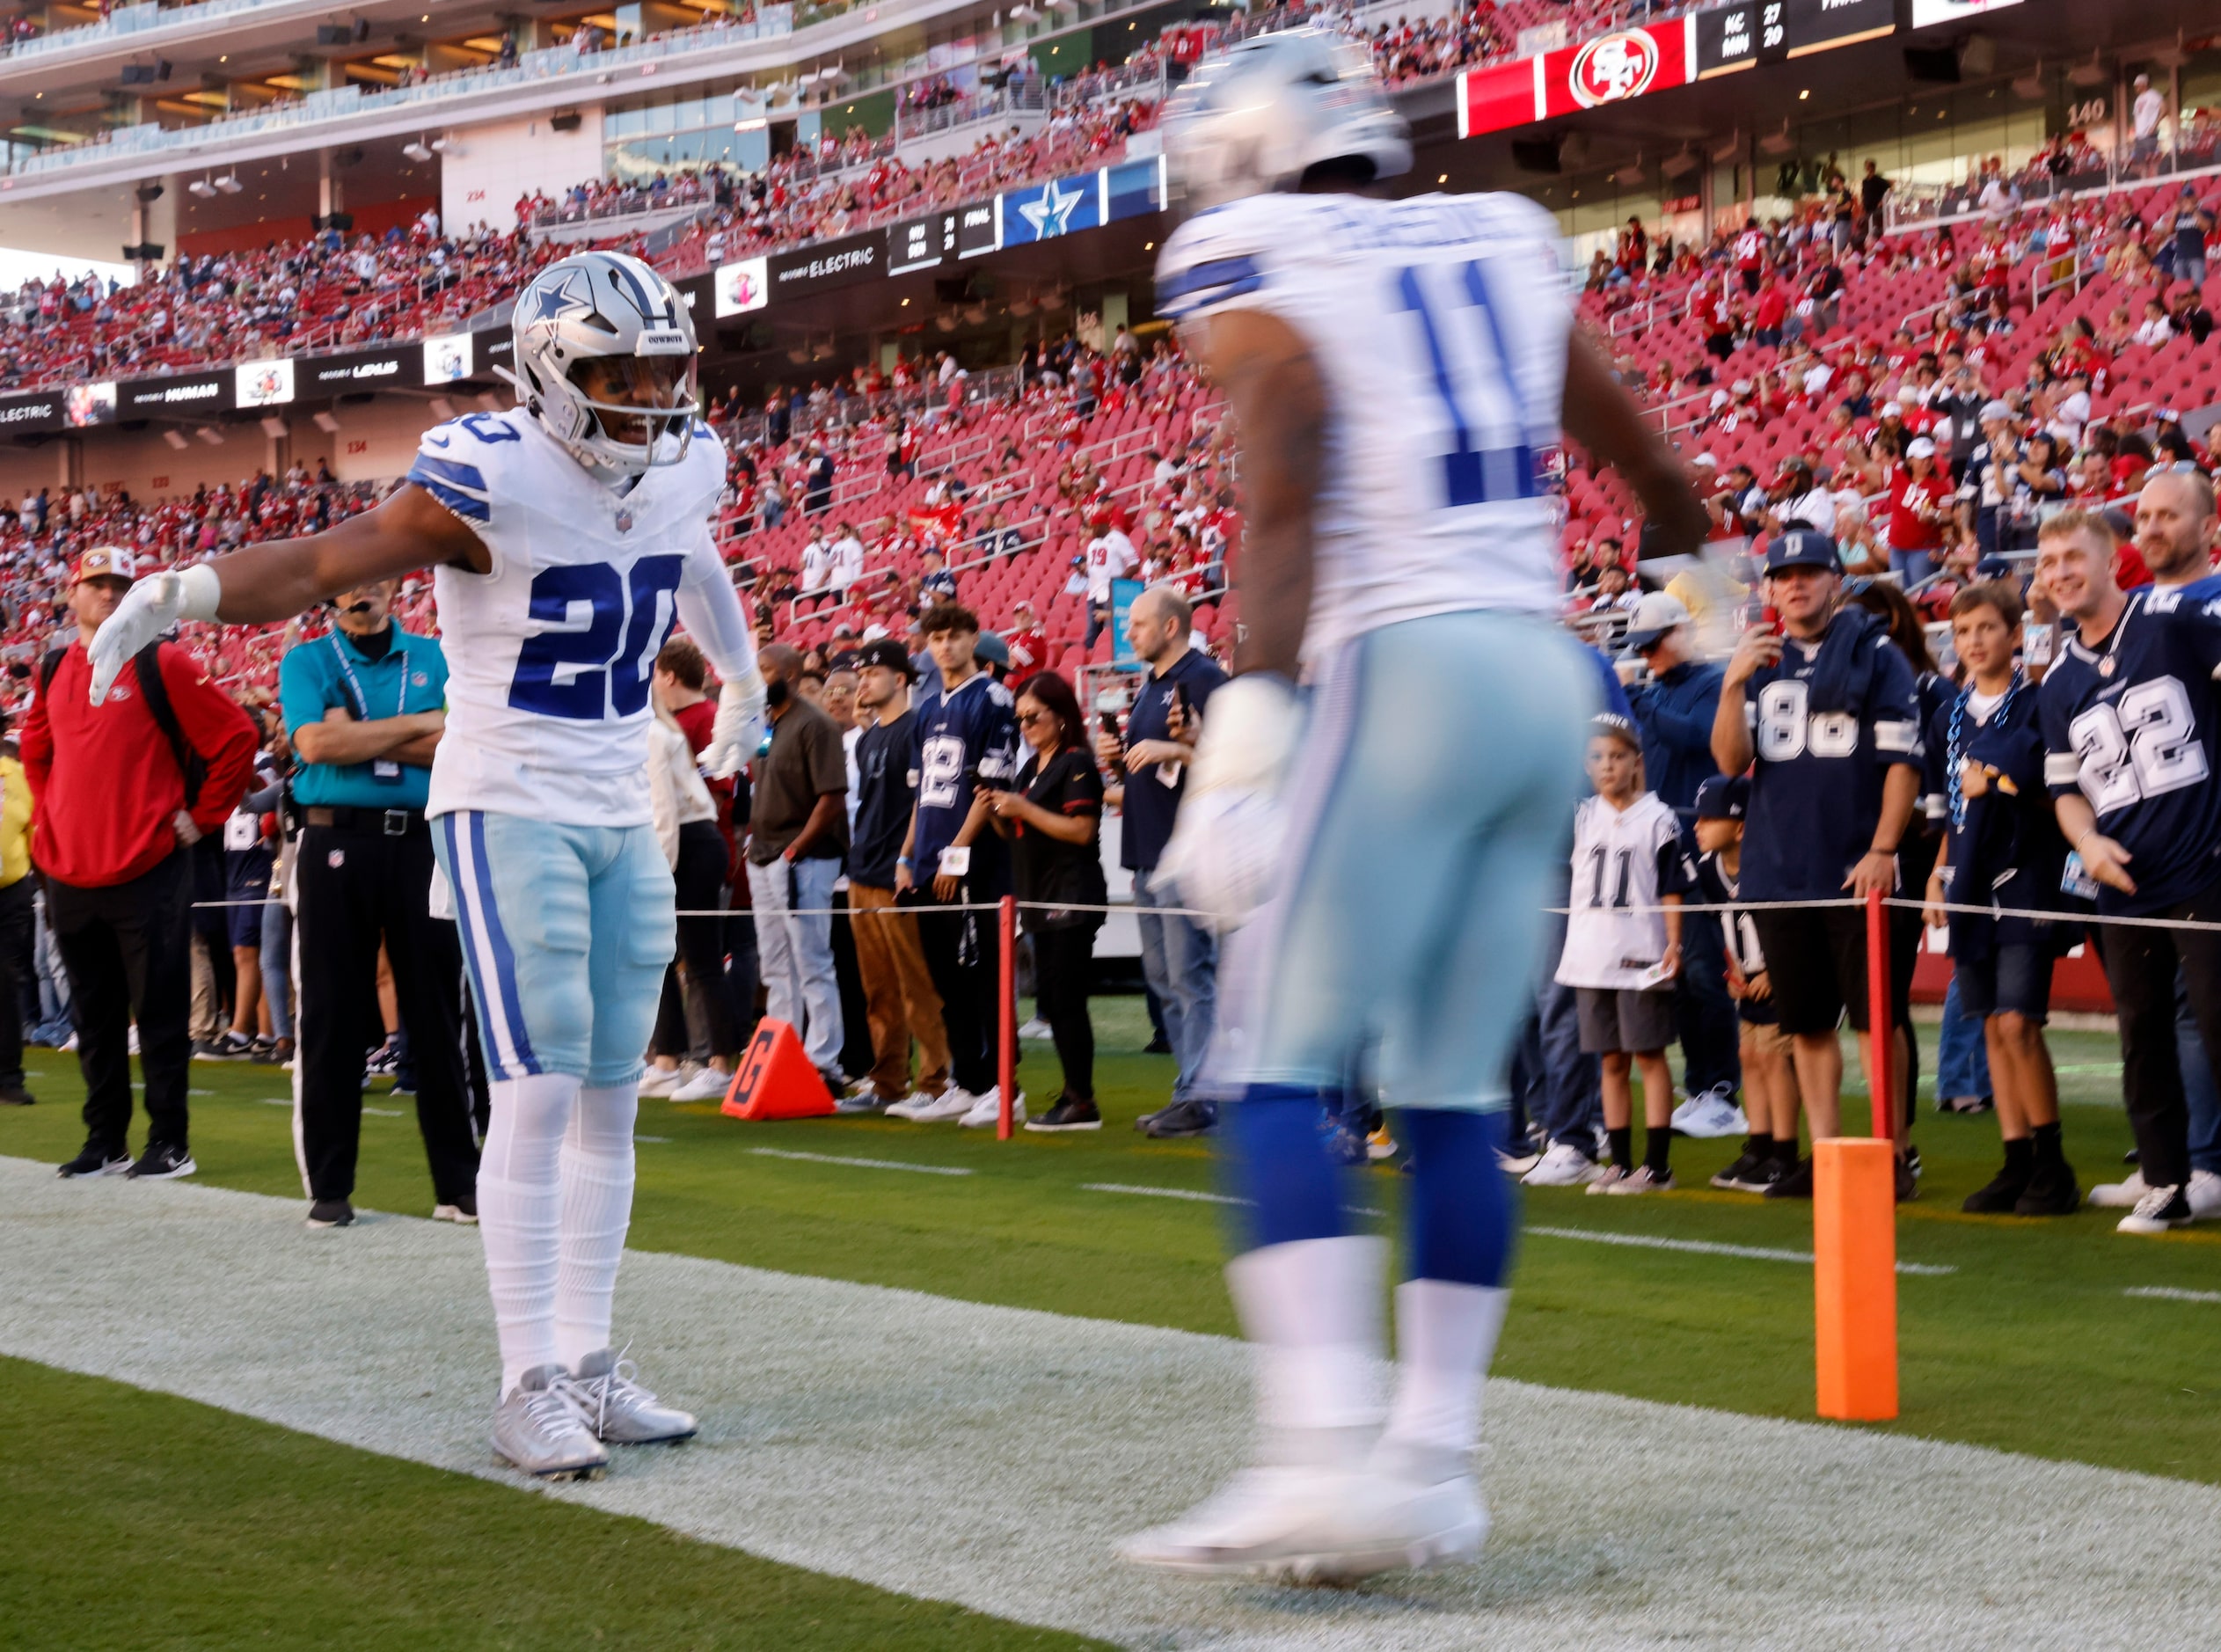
{"x": 775, "y": 1080}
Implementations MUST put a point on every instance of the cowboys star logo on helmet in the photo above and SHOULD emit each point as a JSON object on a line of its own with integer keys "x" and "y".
{"x": 608, "y": 321}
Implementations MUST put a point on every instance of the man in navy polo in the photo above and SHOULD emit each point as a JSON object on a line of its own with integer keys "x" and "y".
{"x": 1180, "y": 959}
{"x": 364, "y": 706}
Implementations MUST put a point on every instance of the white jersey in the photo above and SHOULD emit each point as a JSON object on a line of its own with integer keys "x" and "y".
{"x": 548, "y": 655}
{"x": 1439, "y": 326}
{"x": 1624, "y": 860}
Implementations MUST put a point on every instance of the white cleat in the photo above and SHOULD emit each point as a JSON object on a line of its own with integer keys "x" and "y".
{"x": 616, "y": 1409}
{"x": 1316, "y": 1525}
{"x": 538, "y": 1429}
{"x": 953, "y": 1103}
{"x": 1564, "y": 1165}
{"x": 987, "y": 1112}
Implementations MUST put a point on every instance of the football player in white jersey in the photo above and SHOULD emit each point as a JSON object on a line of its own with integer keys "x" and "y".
{"x": 1396, "y": 369}
{"x": 564, "y": 536}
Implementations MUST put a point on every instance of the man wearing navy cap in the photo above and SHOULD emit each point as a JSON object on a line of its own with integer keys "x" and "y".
{"x": 1825, "y": 715}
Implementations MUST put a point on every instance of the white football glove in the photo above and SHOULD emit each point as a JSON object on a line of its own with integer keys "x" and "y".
{"x": 149, "y": 609}
{"x": 1224, "y": 849}
{"x": 739, "y": 727}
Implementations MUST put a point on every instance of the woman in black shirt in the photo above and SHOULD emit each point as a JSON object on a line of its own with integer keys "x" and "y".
{"x": 1052, "y": 816}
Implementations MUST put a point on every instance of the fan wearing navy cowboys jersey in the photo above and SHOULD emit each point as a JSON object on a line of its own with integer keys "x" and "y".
{"x": 2132, "y": 744}
{"x": 1826, "y": 715}
{"x": 1396, "y": 369}
{"x": 564, "y": 536}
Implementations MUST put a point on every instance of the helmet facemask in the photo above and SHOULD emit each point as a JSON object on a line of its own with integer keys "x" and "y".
{"x": 643, "y": 404}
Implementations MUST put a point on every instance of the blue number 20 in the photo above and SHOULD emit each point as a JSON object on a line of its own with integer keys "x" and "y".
{"x": 1471, "y": 475}
{"x": 590, "y": 671}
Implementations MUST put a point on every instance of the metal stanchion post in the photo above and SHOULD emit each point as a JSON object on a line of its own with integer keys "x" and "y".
{"x": 1007, "y": 1015}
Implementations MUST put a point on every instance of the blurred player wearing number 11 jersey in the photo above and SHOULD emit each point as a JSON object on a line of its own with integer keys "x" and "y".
{"x": 1385, "y": 839}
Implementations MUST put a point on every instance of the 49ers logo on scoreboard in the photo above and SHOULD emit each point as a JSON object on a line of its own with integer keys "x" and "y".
{"x": 1613, "y": 67}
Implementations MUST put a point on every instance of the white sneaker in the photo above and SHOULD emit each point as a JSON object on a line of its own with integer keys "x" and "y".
{"x": 1037, "y": 1029}
{"x": 2119, "y": 1196}
{"x": 1608, "y": 1179}
{"x": 953, "y": 1103}
{"x": 2204, "y": 1194}
{"x": 661, "y": 1081}
{"x": 1711, "y": 1112}
{"x": 864, "y": 1098}
{"x": 1316, "y": 1525}
{"x": 709, "y": 1084}
{"x": 538, "y": 1429}
{"x": 987, "y": 1112}
{"x": 2161, "y": 1211}
{"x": 1641, "y": 1179}
{"x": 1564, "y": 1165}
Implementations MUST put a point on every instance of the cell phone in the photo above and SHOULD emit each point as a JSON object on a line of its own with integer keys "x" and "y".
{"x": 1108, "y": 722}
{"x": 1770, "y": 617}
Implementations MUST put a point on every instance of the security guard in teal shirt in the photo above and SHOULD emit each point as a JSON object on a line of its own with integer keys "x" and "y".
{"x": 365, "y": 707}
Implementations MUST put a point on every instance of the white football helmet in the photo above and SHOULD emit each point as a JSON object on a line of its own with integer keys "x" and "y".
{"x": 1257, "y": 117}
{"x": 606, "y": 307}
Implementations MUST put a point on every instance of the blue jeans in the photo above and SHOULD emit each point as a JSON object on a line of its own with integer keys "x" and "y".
{"x": 2198, "y": 1092}
{"x": 277, "y": 967}
{"x": 1560, "y": 1088}
{"x": 796, "y": 954}
{"x": 1705, "y": 1015}
{"x": 1912, "y": 565}
{"x": 1180, "y": 961}
{"x": 1962, "y": 1056}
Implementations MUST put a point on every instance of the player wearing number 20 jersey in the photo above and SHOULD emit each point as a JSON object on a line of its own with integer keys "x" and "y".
{"x": 551, "y": 650}
{"x": 2129, "y": 721}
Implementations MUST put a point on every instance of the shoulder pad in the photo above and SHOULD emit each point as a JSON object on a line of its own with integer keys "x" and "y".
{"x": 1217, "y": 257}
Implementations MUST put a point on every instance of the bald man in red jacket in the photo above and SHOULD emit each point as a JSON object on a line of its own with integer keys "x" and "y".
{"x": 122, "y": 791}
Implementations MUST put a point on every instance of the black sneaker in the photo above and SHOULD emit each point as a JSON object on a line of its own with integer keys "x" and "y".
{"x": 2003, "y": 1192}
{"x": 1762, "y": 1176}
{"x": 231, "y": 1047}
{"x": 1068, "y": 1114}
{"x": 163, "y": 1161}
{"x": 331, "y": 1213}
{"x": 208, "y": 1049}
{"x": 1184, "y": 1119}
{"x": 1907, "y": 1178}
{"x": 1156, "y": 1046}
{"x": 1794, "y": 1182}
{"x": 2158, "y": 1211}
{"x": 2052, "y": 1190}
{"x": 97, "y": 1160}
{"x": 1731, "y": 1178}
{"x": 1913, "y": 1160}
{"x": 14, "y": 1095}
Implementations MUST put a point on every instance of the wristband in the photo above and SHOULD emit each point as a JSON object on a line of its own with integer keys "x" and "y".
{"x": 904, "y": 861}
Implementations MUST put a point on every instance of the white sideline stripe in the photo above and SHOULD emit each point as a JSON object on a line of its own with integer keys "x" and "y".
{"x": 1707, "y": 1247}
{"x": 867, "y": 1164}
{"x": 1160, "y": 1193}
{"x": 2170, "y": 1293}
{"x": 987, "y": 1455}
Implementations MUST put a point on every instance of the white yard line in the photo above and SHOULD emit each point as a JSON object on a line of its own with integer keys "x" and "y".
{"x": 1707, "y": 1247}
{"x": 1188, "y": 1194}
{"x": 2170, "y": 1293}
{"x": 865, "y": 1163}
{"x": 988, "y": 1455}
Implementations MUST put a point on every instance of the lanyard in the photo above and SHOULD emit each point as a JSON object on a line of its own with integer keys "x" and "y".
{"x": 360, "y": 701}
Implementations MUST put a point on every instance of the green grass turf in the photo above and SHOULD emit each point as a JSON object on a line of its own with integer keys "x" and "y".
{"x": 145, "y": 1521}
{"x": 2031, "y": 1346}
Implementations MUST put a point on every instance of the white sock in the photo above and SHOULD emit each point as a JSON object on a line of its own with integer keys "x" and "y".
{"x": 519, "y": 1202}
{"x": 597, "y": 1208}
{"x": 1445, "y": 1336}
{"x": 1311, "y": 1311}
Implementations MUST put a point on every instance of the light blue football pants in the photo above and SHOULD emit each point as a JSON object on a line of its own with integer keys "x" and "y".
{"x": 1427, "y": 806}
{"x": 565, "y": 931}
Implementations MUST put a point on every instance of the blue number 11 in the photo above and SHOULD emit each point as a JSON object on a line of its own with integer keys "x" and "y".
{"x": 1471, "y": 475}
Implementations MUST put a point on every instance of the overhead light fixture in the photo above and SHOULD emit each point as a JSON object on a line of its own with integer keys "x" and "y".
{"x": 1778, "y": 143}
{"x": 1729, "y": 150}
{"x": 273, "y": 426}
{"x": 326, "y": 423}
{"x": 2090, "y": 74}
{"x": 442, "y": 408}
{"x": 444, "y": 145}
{"x": 202, "y": 188}
{"x": 176, "y": 439}
{"x": 1679, "y": 164}
{"x": 230, "y": 184}
{"x": 418, "y": 150}
{"x": 1023, "y": 13}
{"x": 2175, "y": 57}
{"x": 756, "y": 124}
{"x": 1632, "y": 173}
{"x": 2030, "y": 85}
{"x": 210, "y": 434}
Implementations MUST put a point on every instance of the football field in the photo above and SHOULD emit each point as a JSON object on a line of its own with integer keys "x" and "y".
{"x": 938, "y": 1374}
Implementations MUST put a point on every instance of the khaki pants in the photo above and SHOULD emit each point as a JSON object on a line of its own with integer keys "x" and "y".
{"x": 898, "y": 994}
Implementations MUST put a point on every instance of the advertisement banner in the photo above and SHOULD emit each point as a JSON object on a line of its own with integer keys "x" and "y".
{"x": 93, "y": 404}
{"x": 1734, "y": 37}
{"x": 142, "y": 398}
{"x": 40, "y": 411}
{"x": 361, "y": 370}
{"x": 831, "y": 264}
{"x": 447, "y": 359}
{"x": 262, "y": 383}
{"x": 1045, "y": 211}
{"x": 741, "y": 286}
{"x": 1611, "y": 69}
{"x": 1134, "y": 188}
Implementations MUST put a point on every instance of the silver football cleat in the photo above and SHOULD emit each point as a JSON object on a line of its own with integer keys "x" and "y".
{"x": 612, "y": 1403}
{"x": 539, "y": 1429}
